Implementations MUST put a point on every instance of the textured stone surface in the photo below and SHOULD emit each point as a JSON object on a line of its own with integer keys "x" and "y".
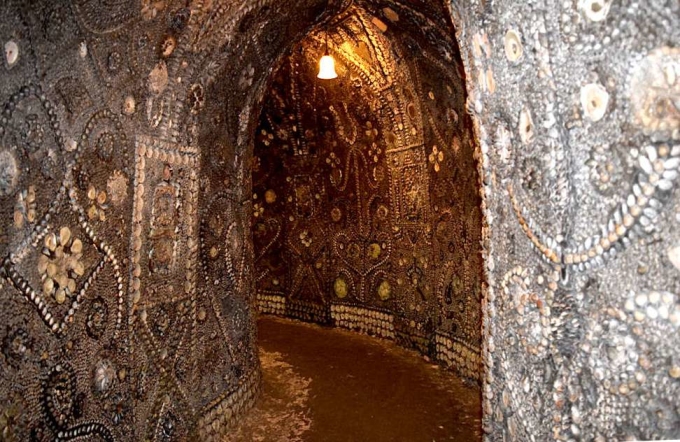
{"x": 117, "y": 323}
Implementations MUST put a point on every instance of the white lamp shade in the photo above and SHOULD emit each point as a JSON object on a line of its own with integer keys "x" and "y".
{"x": 327, "y": 68}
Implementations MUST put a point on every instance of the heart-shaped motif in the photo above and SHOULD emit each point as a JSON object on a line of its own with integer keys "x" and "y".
{"x": 362, "y": 254}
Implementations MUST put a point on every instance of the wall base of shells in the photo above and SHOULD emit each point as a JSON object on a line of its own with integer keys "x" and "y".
{"x": 455, "y": 354}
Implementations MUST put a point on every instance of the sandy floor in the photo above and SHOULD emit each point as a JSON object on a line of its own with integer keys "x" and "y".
{"x": 327, "y": 385}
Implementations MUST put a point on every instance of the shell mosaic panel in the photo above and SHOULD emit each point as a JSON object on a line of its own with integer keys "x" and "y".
{"x": 579, "y": 143}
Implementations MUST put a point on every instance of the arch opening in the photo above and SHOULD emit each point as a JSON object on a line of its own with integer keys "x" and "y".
{"x": 366, "y": 208}
{"x": 404, "y": 251}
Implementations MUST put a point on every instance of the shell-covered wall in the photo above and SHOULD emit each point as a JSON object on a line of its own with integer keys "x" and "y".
{"x": 125, "y": 159}
{"x": 577, "y": 106}
{"x": 366, "y": 205}
{"x": 126, "y": 251}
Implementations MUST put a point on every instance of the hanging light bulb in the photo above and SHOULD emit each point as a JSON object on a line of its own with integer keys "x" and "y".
{"x": 327, "y": 65}
{"x": 327, "y": 68}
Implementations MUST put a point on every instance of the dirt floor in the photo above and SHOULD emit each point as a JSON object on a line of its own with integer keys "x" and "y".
{"x": 327, "y": 385}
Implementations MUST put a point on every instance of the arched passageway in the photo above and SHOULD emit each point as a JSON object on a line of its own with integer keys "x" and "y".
{"x": 366, "y": 206}
{"x": 128, "y": 269}
{"x": 367, "y": 216}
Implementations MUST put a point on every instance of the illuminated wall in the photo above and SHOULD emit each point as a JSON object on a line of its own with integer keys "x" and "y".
{"x": 366, "y": 211}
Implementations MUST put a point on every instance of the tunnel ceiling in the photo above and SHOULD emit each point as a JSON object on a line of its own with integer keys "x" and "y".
{"x": 365, "y": 190}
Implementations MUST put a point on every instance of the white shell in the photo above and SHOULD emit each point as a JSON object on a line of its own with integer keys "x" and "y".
{"x": 11, "y": 52}
{"x": 674, "y": 256}
{"x": 9, "y": 173}
{"x": 526, "y": 126}
{"x": 594, "y": 101}
{"x": 82, "y": 50}
{"x": 595, "y": 10}
{"x": 71, "y": 145}
{"x": 513, "y": 45}
{"x": 158, "y": 78}
{"x": 129, "y": 105}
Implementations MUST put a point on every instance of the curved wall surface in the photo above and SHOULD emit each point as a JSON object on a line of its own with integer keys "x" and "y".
{"x": 577, "y": 112}
{"x": 125, "y": 196}
{"x": 127, "y": 259}
{"x": 366, "y": 209}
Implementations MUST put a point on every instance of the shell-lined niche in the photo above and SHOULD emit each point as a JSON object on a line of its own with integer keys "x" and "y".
{"x": 366, "y": 207}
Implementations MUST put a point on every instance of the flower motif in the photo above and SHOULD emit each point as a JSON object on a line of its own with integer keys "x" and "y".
{"x": 603, "y": 169}
{"x": 306, "y": 238}
{"x": 97, "y": 204}
{"x": 258, "y": 210}
{"x": 374, "y": 152}
{"x": 532, "y": 175}
{"x": 336, "y": 172}
{"x": 60, "y": 264}
{"x": 436, "y": 157}
{"x": 97, "y": 316}
{"x": 333, "y": 160}
{"x": 16, "y": 346}
{"x": 266, "y": 137}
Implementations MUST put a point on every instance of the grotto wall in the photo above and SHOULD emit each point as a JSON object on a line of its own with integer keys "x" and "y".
{"x": 580, "y": 318}
{"x": 576, "y": 105}
{"x": 127, "y": 259}
{"x": 366, "y": 204}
